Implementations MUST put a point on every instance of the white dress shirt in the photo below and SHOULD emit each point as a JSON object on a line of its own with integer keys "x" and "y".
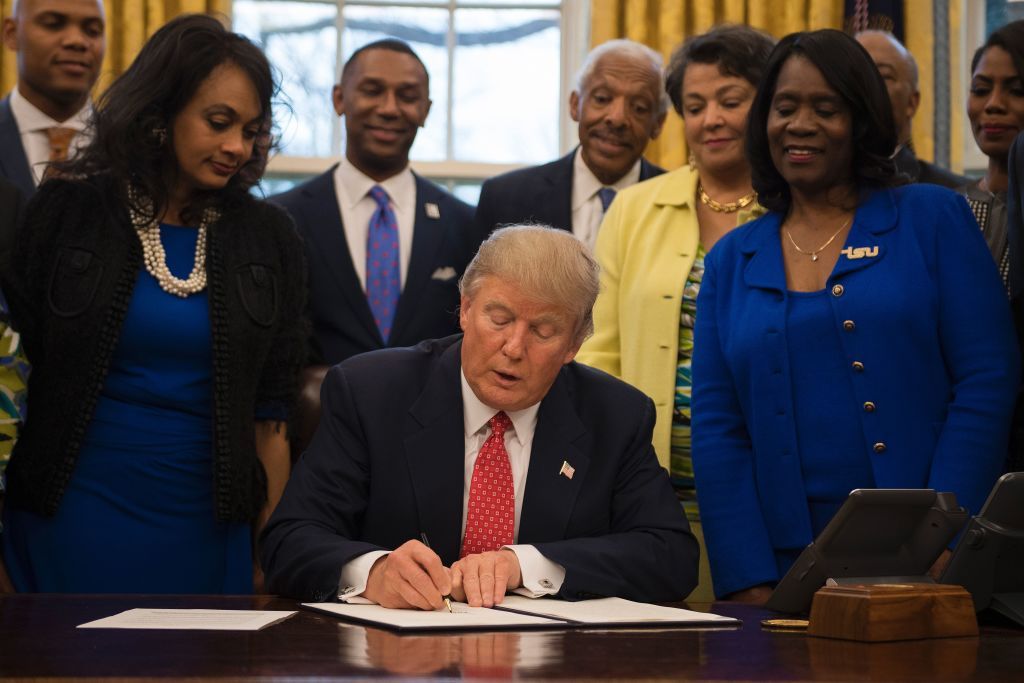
{"x": 32, "y": 125}
{"x": 540, "y": 575}
{"x": 587, "y": 211}
{"x": 352, "y": 190}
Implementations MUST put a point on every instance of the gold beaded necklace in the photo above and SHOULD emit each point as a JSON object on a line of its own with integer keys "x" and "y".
{"x": 727, "y": 207}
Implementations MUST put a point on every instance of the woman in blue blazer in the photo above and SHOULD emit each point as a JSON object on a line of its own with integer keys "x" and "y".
{"x": 855, "y": 336}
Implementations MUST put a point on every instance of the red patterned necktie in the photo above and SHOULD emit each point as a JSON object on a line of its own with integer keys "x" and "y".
{"x": 491, "y": 515}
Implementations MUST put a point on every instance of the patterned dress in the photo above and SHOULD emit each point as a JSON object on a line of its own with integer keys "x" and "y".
{"x": 989, "y": 210}
{"x": 13, "y": 378}
{"x": 681, "y": 464}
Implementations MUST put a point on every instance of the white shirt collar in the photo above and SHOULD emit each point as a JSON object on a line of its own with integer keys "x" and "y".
{"x": 475, "y": 415}
{"x": 357, "y": 184}
{"x": 585, "y": 184}
{"x": 31, "y": 119}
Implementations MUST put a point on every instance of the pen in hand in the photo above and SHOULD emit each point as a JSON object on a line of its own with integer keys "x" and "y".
{"x": 447, "y": 598}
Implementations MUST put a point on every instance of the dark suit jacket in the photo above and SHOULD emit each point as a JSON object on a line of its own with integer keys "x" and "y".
{"x": 11, "y": 208}
{"x": 388, "y": 462}
{"x": 13, "y": 162}
{"x": 541, "y": 194}
{"x": 342, "y": 322}
{"x": 919, "y": 171}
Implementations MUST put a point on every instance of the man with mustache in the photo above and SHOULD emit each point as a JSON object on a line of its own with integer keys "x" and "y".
{"x": 385, "y": 247}
{"x": 59, "y": 46}
{"x": 620, "y": 106}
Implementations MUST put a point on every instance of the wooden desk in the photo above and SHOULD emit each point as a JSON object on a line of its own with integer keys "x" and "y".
{"x": 38, "y": 639}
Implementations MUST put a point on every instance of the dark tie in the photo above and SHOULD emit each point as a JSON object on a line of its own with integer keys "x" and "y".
{"x": 383, "y": 283}
{"x": 491, "y": 515}
{"x": 606, "y": 195}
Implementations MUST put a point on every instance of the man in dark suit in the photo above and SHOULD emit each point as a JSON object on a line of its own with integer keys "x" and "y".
{"x": 536, "y": 471}
{"x": 899, "y": 71}
{"x": 362, "y": 298}
{"x": 59, "y": 46}
{"x": 620, "y": 106}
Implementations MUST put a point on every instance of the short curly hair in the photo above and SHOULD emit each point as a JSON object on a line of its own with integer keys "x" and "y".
{"x": 738, "y": 51}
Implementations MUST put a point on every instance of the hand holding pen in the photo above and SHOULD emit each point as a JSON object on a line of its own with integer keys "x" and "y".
{"x": 410, "y": 577}
{"x": 446, "y": 596}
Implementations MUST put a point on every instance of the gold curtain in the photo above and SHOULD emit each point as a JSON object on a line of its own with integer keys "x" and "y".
{"x": 920, "y": 35}
{"x": 129, "y": 24}
{"x": 663, "y": 24}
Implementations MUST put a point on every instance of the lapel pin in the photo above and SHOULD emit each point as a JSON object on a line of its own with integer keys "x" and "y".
{"x": 854, "y": 253}
{"x": 432, "y": 209}
{"x": 567, "y": 470}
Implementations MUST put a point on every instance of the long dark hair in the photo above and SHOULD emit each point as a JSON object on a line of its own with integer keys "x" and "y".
{"x": 849, "y": 70}
{"x": 132, "y": 126}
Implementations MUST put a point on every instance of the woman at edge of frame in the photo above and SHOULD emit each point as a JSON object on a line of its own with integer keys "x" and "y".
{"x": 161, "y": 307}
{"x": 856, "y": 336}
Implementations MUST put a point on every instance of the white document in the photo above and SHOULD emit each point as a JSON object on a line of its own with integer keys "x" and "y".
{"x": 612, "y": 611}
{"x": 191, "y": 619}
{"x": 517, "y": 611}
{"x": 462, "y": 616}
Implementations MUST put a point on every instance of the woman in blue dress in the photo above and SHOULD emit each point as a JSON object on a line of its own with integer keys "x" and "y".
{"x": 160, "y": 305}
{"x": 855, "y": 336}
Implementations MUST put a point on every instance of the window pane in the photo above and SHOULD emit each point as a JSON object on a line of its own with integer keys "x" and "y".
{"x": 506, "y": 92}
{"x": 300, "y": 40}
{"x": 426, "y": 32}
{"x": 514, "y": 3}
{"x": 468, "y": 191}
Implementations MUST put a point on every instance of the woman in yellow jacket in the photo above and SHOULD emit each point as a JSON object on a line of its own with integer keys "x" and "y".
{"x": 652, "y": 242}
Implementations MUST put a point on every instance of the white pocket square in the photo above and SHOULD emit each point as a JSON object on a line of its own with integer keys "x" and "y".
{"x": 444, "y": 273}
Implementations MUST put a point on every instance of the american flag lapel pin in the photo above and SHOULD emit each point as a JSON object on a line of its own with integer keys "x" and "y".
{"x": 567, "y": 470}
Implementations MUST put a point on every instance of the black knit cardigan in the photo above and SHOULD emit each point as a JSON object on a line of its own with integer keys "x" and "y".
{"x": 75, "y": 265}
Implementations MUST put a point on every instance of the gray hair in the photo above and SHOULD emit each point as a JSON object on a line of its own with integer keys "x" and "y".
{"x": 626, "y": 48}
{"x": 547, "y": 265}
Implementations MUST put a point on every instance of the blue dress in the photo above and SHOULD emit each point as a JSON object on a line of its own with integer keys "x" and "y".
{"x": 830, "y": 443}
{"x": 138, "y": 513}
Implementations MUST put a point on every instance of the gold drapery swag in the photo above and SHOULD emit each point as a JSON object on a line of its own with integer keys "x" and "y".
{"x": 663, "y": 24}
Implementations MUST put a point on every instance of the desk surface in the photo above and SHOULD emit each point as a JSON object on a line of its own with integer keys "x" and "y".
{"x": 38, "y": 639}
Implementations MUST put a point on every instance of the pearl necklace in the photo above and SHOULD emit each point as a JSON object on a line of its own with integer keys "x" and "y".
{"x": 153, "y": 253}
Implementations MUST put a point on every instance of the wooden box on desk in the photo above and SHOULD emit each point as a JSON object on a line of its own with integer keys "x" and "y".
{"x": 884, "y": 612}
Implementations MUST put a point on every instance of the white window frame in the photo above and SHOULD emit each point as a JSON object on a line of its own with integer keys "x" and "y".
{"x": 574, "y": 47}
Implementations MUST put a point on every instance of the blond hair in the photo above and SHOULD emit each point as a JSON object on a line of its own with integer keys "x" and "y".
{"x": 547, "y": 265}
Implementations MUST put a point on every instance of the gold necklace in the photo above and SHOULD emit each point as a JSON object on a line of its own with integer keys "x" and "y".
{"x": 814, "y": 253}
{"x": 728, "y": 207}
